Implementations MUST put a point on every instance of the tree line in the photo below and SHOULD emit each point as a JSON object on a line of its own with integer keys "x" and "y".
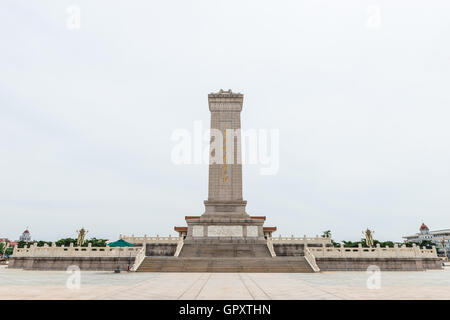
{"x": 61, "y": 242}
{"x": 354, "y": 244}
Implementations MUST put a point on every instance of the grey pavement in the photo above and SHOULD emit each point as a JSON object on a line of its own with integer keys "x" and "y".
{"x": 21, "y": 284}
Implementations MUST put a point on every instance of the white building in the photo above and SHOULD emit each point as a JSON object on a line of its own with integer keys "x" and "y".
{"x": 26, "y": 236}
{"x": 435, "y": 236}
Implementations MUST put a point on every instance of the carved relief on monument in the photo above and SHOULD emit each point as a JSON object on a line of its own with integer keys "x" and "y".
{"x": 225, "y": 209}
{"x": 252, "y": 231}
{"x": 197, "y": 231}
{"x": 226, "y": 168}
{"x": 225, "y": 231}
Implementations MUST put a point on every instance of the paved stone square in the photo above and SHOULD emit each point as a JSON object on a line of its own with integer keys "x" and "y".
{"x": 20, "y": 284}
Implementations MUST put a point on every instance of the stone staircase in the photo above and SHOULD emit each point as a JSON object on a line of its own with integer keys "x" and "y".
{"x": 242, "y": 264}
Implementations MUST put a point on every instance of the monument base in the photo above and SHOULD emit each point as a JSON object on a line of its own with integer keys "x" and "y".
{"x": 214, "y": 235}
{"x": 222, "y": 227}
{"x": 226, "y": 209}
{"x": 219, "y": 236}
{"x": 225, "y": 248}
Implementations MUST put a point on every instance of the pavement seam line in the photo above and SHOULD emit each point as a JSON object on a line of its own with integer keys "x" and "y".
{"x": 198, "y": 293}
{"x": 187, "y": 289}
{"x": 245, "y": 285}
{"x": 256, "y": 284}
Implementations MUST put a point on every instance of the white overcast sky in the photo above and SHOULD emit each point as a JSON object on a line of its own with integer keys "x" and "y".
{"x": 86, "y": 115}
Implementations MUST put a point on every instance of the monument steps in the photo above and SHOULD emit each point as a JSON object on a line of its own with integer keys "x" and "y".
{"x": 191, "y": 264}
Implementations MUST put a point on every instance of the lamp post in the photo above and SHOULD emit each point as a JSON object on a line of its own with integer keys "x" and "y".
{"x": 118, "y": 263}
{"x": 443, "y": 247}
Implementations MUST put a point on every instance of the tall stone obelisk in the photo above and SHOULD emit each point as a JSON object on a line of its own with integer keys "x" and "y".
{"x": 225, "y": 168}
{"x": 225, "y": 229}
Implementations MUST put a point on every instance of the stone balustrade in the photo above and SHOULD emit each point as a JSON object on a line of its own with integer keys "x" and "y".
{"x": 140, "y": 256}
{"x": 271, "y": 248}
{"x": 373, "y": 252}
{"x": 72, "y": 251}
{"x": 311, "y": 259}
{"x": 300, "y": 240}
{"x": 179, "y": 246}
{"x": 275, "y": 240}
{"x": 145, "y": 239}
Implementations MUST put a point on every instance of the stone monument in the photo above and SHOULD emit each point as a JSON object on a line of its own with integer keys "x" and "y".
{"x": 225, "y": 228}
{"x": 368, "y": 234}
{"x": 81, "y": 237}
{"x": 225, "y": 238}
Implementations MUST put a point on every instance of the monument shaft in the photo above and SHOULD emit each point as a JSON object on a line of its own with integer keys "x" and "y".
{"x": 225, "y": 229}
{"x": 225, "y": 168}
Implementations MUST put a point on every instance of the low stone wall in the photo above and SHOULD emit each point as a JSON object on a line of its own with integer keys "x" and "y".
{"x": 293, "y": 249}
{"x": 288, "y": 250}
{"x": 61, "y": 263}
{"x": 385, "y": 264}
{"x": 160, "y": 249}
{"x": 72, "y": 251}
{"x": 148, "y": 239}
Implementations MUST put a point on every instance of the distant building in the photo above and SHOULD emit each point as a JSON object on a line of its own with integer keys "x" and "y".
{"x": 26, "y": 236}
{"x": 434, "y": 236}
{"x": 4, "y": 240}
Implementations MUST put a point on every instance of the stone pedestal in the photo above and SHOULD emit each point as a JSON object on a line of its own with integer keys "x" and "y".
{"x": 212, "y": 236}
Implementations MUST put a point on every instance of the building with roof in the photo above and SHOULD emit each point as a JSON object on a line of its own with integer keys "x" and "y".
{"x": 26, "y": 236}
{"x": 441, "y": 238}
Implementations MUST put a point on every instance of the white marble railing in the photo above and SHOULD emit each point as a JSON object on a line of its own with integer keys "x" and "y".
{"x": 139, "y": 258}
{"x": 301, "y": 240}
{"x": 270, "y": 246}
{"x": 145, "y": 239}
{"x": 373, "y": 252}
{"x": 71, "y": 251}
{"x": 179, "y": 247}
{"x": 311, "y": 259}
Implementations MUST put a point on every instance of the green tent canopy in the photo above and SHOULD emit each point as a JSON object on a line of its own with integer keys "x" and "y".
{"x": 120, "y": 243}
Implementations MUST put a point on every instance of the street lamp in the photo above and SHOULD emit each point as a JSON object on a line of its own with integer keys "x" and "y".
{"x": 443, "y": 247}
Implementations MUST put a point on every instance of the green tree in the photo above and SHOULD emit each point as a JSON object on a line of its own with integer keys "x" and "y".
{"x": 97, "y": 242}
{"x": 351, "y": 244}
{"x": 8, "y": 251}
{"x": 326, "y": 234}
{"x": 66, "y": 242}
{"x": 426, "y": 243}
{"x": 335, "y": 244}
{"x": 93, "y": 241}
{"x": 22, "y": 244}
{"x": 42, "y": 243}
{"x": 390, "y": 244}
